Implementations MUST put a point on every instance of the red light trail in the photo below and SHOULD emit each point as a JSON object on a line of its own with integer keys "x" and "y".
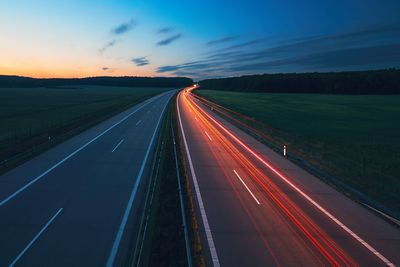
{"x": 269, "y": 192}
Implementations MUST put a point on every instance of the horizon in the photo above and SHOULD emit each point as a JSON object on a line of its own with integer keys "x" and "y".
{"x": 197, "y": 80}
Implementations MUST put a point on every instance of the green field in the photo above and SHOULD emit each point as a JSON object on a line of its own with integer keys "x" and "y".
{"x": 28, "y": 116}
{"x": 354, "y": 138}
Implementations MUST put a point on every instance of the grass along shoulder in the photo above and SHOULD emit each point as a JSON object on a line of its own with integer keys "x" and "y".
{"x": 34, "y": 119}
{"x": 353, "y": 138}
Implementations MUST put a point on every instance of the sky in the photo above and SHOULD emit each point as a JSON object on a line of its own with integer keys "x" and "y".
{"x": 198, "y": 39}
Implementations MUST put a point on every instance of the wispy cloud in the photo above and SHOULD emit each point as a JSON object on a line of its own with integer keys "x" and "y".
{"x": 107, "y": 46}
{"x": 245, "y": 44}
{"x": 169, "y": 40}
{"x": 140, "y": 61}
{"x": 108, "y": 69}
{"x": 368, "y": 48}
{"x": 165, "y": 30}
{"x": 189, "y": 66}
{"x": 360, "y": 57}
{"x": 124, "y": 27}
{"x": 119, "y": 30}
{"x": 168, "y": 68}
{"x": 223, "y": 40}
{"x": 232, "y": 48}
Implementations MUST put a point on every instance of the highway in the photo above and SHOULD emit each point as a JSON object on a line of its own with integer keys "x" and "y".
{"x": 258, "y": 209}
{"x": 79, "y": 203}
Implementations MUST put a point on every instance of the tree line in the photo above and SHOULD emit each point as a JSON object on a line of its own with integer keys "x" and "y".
{"x": 18, "y": 81}
{"x": 352, "y": 82}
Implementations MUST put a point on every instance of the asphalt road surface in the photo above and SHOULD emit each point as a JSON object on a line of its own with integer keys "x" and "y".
{"x": 78, "y": 204}
{"x": 258, "y": 209}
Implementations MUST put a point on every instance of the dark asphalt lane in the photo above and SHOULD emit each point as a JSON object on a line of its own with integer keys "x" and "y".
{"x": 249, "y": 227}
{"x": 78, "y": 203}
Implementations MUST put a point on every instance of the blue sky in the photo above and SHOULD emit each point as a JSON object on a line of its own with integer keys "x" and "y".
{"x": 200, "y": 39}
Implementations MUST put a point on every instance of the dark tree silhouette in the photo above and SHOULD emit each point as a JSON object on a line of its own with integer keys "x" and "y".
{"x": 354, "y": 82}
{"x": 17, "y": 81}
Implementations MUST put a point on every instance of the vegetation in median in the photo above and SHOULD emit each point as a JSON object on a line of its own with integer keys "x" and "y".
{"x": 163, "y": 237}
{"x": 353, "y": 138}
{"x": 164, "y": 243}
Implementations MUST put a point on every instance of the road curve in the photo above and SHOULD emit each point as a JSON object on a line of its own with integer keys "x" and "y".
{"x": 258, "y": 209}
{"x": 78, "y": 203}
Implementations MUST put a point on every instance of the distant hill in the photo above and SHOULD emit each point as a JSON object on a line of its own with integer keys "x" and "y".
{"x": 354, "y": 82}
{"x": 18, "y": 81}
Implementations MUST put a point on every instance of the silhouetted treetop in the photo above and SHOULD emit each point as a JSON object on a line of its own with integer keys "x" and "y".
{"x": 17, "y": 81}
{"x": 354, "y": 82}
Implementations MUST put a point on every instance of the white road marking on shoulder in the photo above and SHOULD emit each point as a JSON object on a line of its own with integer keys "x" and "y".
{"x": 210, "y": 240}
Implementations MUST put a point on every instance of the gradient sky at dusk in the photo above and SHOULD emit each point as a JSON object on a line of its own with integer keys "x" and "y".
{"x": 70, "y": 38}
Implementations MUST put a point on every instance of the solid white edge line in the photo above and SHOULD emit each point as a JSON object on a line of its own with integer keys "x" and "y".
{"x": 207, "y": 229}
{"x": 145, "y": 103}
{"x": 209, "y": 137}
{"x": 323, "y": 210}
{"x": 393, "y": 220}
{"x": 248, "y": 189}
{"x": 115, "y": 148}
{"x": 34, "y": 239}
{"x": 118, "y": 237}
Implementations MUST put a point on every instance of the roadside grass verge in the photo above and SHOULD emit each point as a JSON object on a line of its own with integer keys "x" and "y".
{"x": 35, "y": 119}
{"x": 352, "y": 139}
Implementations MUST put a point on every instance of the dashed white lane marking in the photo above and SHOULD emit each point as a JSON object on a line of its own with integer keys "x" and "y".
{"x": 248, "y": 189}
{"x": 115, "y": 148}
{"x": 307, "y": 197}
{"x": 121, "y": 229}
{"x": 37, "y": 178}
{"x": 209, "y": 137}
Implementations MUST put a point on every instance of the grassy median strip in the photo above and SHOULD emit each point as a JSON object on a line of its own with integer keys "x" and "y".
{"x": 164, "y": 236}
{"x": 34, "y": 119}
{"x": 354, "y": 139}
{"x": 163, "y": 243}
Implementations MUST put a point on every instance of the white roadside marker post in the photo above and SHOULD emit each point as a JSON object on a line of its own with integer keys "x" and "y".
{"x": 284, "y": 150}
